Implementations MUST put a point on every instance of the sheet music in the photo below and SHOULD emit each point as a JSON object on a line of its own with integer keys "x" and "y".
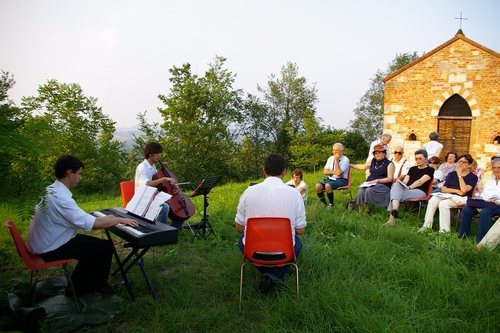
{"x": 367, "y": 184}
{"x": 156, "y": 204}
{"x": 141, "y": 200}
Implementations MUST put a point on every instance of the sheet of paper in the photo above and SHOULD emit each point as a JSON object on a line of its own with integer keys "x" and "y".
{"x": 141, "y": 200}
{"x": 367, "y": 184}
{"x": 156, "y": 205}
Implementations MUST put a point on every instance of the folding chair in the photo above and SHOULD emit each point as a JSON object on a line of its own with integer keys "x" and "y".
{"x": 346, "y": 188}
{"x": 35, "y": 263}
{"x": 422, "y": 200}
{"x": 127, "y": 189}
{"x": 268, "y": 243}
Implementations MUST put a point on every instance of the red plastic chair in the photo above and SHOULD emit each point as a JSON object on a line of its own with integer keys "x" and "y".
{"x": 35, "y": 263}
{"x": 268, "y": 243}
{"x": 346, "y": 188}
{"x": 422, "y": 200}
{"x": 127, "y": 189}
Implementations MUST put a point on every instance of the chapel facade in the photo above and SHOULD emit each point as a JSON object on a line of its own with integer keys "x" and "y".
{"x": 453, "y": 90}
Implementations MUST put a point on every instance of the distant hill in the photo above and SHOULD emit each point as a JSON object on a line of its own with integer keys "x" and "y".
{"x": 124, "y": 135}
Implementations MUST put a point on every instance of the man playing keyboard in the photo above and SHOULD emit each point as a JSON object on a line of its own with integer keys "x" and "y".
{"x": 53, "y": 232}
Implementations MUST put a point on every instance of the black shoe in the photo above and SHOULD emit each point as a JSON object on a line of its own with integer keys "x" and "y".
{"x": 265, "y": 284}
{"x": 395, "y": 213}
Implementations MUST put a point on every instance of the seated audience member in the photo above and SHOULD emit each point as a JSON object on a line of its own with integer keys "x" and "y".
{"x": 488, "y": 173}
{"x": 492, "y": 238}
{"x": 272, "y": 198}
{"x": 449, "y": 164}
{"x": 53, "y": 231}
{"x": 490, "y": 193}
{"x": 413, "y": 186}
{"x": 298, "y": 183}
{"x": 461, "y": 183}
{"x": 433, "y": 147}
{"x": 375, "y": 191}
{"x": 336, "y": 172}
{"x": 478, "y": 171}
{"x": 384, "y": 141}
{"x": 401, "y": 164}
{"x": 438, "y": 178}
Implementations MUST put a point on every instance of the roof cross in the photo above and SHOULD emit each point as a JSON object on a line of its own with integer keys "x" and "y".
{"x": 460, "y": 18}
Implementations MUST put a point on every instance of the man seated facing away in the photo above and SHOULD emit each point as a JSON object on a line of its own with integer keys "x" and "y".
{"x": 53, "y": 231}
{"x": 272, "y": 198}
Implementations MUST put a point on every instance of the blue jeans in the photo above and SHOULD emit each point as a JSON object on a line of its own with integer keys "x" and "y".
{"x": 278, "y": 272}
{"x": 485, "y": 217}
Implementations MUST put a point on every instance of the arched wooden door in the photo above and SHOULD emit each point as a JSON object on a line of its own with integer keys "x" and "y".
{"x": 454, "y": 125}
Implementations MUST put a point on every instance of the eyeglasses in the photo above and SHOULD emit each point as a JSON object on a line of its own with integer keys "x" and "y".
{"x": 432, "y": 162}
{"x": 463, "y": 161}
{"x": 419, "y": 158}
{"x": 398, "y": 152}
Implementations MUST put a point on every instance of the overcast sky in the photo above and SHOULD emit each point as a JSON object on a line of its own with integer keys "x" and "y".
{"x": 120, "y": 51}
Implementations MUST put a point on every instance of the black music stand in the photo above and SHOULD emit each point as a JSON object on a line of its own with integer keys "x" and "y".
{"x": 204, "y": 188}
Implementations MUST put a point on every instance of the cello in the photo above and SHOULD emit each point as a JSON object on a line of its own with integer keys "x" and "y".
{"x": 181, "y": 207}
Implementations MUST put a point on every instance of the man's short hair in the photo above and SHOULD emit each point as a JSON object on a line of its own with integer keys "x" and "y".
{"x": 341, "y": 146}
{"x": 65, "y": 163}
{"x": 297, "y": 172}
{"x": 387, "y": 135}
{"x": 433, "y": 136}
{"x": 421, "y": 152}
{"x": 152, "y": 148}
{"x": 274, "y": 164}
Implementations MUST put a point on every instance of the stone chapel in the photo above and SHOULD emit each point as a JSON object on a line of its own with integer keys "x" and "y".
{"x": 453, "y": 90}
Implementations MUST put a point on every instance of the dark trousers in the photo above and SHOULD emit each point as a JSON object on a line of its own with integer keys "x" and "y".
{"x": 94, "y": 261}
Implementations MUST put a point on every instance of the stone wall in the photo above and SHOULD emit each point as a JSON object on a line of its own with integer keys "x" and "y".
{"x": 413, "y": 96}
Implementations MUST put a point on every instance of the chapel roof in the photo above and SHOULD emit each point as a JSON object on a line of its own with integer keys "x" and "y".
{"x": 458, "y": 36}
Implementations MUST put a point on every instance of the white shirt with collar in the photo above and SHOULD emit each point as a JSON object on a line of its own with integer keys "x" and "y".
{"x": 272, "y": 197}
{"x": 144, "y": 173}
{"x": 57, "y": 220}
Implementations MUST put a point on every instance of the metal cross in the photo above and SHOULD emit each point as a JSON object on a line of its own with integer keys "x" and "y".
{"x": 460, "y": 18}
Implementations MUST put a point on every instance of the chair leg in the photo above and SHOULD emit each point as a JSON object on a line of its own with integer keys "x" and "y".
{"x": 297, "y": 280}
{"x": 70, "y": 282}
{"x": 32, "y": 294}
{"x": 241, "y": 282}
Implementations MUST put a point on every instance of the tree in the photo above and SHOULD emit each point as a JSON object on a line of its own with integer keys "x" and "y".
{"x": 199, "y": 116}
{"x": 288, "y": 98}
{"x": 64, "y": 121}
{"x": 370, "y": 108}
{"x": 13, "y": 144}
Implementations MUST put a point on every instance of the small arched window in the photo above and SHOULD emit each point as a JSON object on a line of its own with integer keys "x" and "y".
{"x": 412, "y": 137}
{"x": 496, "y": 140}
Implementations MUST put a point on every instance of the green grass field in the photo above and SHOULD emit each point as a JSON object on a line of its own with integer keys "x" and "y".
{"x": 355, "y": 276}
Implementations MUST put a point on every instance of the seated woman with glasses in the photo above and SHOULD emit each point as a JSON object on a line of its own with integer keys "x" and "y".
{"x": 415, "y": 185}
{"x": 375, "y": 191}
{"x": 458, "y": 185}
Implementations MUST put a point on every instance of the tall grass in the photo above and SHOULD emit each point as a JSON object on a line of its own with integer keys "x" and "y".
{"x": 355, "y": 276}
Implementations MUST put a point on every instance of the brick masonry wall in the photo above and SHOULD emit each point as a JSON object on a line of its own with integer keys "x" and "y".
{"x": 413, "y": 97}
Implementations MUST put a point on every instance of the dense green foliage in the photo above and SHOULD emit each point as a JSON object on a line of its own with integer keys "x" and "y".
{"x": 355, "y": 276}
{"x": 208, "y": 128}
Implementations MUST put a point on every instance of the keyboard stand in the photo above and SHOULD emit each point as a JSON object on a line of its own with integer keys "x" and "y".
{"x": 134, "y": 257}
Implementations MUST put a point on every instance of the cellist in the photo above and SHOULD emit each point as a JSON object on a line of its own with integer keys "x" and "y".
{"x": 144, "y": 176}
